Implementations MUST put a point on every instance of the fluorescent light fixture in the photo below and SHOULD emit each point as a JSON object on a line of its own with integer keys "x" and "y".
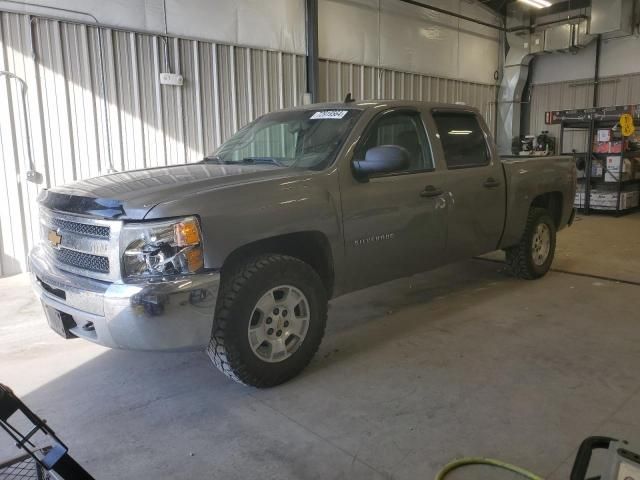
{"x": 459, "y": 132}
{"x": 537, "y": 3}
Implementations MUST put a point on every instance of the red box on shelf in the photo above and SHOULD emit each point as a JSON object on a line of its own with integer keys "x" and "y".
{"x": 608, "y": 147}
{"x": 615, "y": 147}
{"x": 601, "y": 147}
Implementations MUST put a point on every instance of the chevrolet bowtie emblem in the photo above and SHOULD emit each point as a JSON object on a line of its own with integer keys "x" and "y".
{"x": 54, "y": 238}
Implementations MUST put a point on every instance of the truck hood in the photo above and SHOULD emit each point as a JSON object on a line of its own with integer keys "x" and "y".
{"x": 131, "y": 195}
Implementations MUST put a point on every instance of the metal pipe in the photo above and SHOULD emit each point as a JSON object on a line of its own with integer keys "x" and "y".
{"x": 596, "y": 73}
{"x": 552, "y": 22}
{"x": 591, "y": 133}
{"x": 165, "y": 39}
{"x": 501, "y": 61}
{"x": 490, "y": 25}
{"x": 453, "y": 14}
{"x": 60, "y": 9}
{"x": 27, "y": 121}
{"x": 313, "y": 61}
{"x": 101, "y": 60}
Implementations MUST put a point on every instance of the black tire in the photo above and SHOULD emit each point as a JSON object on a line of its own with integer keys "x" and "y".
{"x": 241, "y": 288}
{"x": 520, "y": 257}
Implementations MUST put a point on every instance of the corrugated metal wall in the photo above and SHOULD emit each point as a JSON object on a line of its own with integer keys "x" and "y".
{"x": 620, "y": 90}
{"x": 366, "y": 82}
{"x": 76, "y": 134}
{"x": 95, "y": 103}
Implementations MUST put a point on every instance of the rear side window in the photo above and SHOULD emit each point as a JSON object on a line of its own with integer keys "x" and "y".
{"x": 462, "y": 139}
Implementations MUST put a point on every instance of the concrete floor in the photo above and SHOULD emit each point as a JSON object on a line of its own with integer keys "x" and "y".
{"x": 598, "y": 245}
{"x": 461, "y": 361}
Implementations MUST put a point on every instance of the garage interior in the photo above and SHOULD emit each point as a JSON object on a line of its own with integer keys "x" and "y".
{"x": 465, "y": 360}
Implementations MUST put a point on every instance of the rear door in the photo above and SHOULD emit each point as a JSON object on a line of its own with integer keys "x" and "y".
{"x": 394, "y": 224}
{"x": 474, "y": 181}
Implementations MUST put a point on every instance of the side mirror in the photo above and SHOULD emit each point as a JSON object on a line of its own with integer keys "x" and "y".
{"x": 382, "y": 159}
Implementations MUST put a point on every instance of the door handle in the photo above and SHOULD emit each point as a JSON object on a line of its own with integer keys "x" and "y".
{"x": 431, "y": 191}
{"x": 491, "y": 183}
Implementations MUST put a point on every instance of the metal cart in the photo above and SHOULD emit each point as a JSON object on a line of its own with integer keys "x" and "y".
{"x": 46, "y": 455}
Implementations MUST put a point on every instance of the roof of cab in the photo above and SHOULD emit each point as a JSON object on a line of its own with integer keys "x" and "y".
{"x": 367, "y": 104}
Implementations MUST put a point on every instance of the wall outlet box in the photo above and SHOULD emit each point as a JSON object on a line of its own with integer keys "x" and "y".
{"x": 174, "y": 79}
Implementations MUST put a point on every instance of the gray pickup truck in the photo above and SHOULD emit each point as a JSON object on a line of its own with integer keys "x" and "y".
{"x": 238, "y": 254}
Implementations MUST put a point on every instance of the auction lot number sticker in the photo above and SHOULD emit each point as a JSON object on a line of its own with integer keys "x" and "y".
{"x": 329, "y": 115}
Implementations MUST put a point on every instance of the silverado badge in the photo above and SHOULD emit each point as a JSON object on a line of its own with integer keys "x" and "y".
{"x": 54, "y": 238}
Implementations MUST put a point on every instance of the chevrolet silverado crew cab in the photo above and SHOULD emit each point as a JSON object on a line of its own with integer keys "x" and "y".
{"x": 238, "y": 254}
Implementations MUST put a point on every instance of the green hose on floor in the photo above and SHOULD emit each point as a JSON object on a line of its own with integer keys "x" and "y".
{"x": 449, "y": 467}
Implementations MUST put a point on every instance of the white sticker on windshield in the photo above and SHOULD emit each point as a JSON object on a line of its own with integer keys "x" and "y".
{"x": 329, "y": 114}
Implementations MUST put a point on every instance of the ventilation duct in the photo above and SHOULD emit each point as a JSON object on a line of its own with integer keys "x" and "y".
{"x": 566, "y": 37}
{"x": 611, "y": 16}
{"x": 514, "y": 77}
{"x": 523, "y": 44}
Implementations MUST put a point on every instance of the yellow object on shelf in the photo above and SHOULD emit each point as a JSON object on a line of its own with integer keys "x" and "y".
{"x": 626, "y": 123}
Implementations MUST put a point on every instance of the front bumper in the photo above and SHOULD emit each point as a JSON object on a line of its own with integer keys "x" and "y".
{"x": 174, "y": 314}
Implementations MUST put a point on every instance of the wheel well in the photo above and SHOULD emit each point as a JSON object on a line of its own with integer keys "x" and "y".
{"x": 552, "y": 201}
{"x": 311, "y": 247}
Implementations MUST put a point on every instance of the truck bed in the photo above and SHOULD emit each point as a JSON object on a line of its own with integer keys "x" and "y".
{"x": 530, "y": 177}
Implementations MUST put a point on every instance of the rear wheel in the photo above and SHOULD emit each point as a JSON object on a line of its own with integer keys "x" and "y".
{"x": 532, "y": 257}
{"x": 269, "y": 320}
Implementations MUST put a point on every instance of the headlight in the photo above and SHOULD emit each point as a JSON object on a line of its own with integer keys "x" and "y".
{"x": 171, "y": 247}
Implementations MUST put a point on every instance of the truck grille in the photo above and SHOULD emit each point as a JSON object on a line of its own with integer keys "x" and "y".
{"x": 82, "y": 245}
{"x": 82, "y": 228}
{"x": 85, "y": 261}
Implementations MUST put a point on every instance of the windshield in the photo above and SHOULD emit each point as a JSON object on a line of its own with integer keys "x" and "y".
{"x": 307, "y": 139}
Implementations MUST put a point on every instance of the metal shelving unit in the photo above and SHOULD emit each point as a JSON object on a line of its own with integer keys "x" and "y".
{"x": 590, "y": 182}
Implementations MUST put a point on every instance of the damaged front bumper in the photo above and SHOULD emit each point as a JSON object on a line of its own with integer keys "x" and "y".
{"x": 164, "y": 314}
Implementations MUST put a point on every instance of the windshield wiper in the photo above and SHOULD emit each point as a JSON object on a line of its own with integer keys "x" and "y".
{"x": 212, "y": 159}
{"x": 245, "y": 161}
{"x": 261, "y": 160}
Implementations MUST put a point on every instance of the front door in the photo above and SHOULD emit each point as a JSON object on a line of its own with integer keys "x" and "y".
{"x": 394, "y": 224}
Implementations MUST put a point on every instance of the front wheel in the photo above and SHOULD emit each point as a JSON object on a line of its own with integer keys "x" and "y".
{"x": 269, "y": 321}
{"x": 532, "y": 257}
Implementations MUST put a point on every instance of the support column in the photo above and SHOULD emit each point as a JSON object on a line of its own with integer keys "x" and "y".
{"x": 312, "y": 49}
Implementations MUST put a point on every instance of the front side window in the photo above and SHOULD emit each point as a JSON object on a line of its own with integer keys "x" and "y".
{"x": 403, "y": 129}
{"x": 462, "y": 139}
{"x": 308, "y": 139}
